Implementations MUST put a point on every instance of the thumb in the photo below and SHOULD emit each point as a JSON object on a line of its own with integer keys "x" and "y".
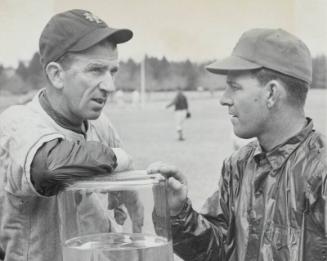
{"x": 175, "y": 184}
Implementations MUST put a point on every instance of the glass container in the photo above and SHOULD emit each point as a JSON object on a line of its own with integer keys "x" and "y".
{"x": 117, "y": 217}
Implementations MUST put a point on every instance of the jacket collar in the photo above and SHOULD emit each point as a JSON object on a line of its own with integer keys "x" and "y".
{"x": 278, "y": 155}
{"x": 59, "y": 118}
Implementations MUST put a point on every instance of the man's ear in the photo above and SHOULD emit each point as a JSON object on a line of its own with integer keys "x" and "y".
{"x": 275, "y": 91}
{"x": 55, "y": 74}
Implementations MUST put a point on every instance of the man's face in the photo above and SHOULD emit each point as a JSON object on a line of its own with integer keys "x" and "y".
{"x": 88, "y": 81}
{"x": 246, "y": 101}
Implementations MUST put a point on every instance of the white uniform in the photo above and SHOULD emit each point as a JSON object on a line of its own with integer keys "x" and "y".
{"x": 29, "y": 221}
{"x": 180, "y": 116}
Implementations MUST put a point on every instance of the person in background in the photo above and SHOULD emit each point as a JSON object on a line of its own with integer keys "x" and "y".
{"x": 60, "y": 136}
{"x": 271, "y": 202}
{"x": 181, "y": 110}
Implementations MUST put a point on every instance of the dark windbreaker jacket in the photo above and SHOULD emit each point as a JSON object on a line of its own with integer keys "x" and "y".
{"x": 269, "y": 206}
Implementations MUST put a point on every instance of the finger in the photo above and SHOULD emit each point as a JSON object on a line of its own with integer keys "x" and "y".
{"x": 167, "y": 171}
{"x": 154, "y": 167}
{"x": 160, "y": 167}
{"x": 175, "y": 184}
{"x": 173, "y": 172}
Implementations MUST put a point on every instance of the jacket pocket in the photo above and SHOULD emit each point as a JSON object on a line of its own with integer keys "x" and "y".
{"x": 281, "y": 243}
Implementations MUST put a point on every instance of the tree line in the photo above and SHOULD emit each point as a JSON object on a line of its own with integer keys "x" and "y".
{"x": 160, "y": 75}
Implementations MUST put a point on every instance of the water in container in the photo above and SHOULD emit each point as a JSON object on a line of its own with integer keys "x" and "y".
{"x": 122, "y": 216}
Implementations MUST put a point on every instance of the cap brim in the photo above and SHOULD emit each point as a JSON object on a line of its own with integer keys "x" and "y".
{"x": 231, "y": 63}
{"x": 117, "y": 36}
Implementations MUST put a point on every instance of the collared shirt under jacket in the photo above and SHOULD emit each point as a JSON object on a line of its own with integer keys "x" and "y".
{"x": 270, "y": 206}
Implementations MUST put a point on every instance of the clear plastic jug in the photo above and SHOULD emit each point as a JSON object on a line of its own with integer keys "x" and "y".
{"x": 118, "y": 217}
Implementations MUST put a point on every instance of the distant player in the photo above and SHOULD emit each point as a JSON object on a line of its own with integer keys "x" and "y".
{"x": 181, "y": 109}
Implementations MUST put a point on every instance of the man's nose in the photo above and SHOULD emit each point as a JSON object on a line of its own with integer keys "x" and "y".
{"x": 107, "y": 84}
{"x": 225, "y": 99}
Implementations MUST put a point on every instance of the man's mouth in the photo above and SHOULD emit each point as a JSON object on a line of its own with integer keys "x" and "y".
{"x": 233, "y": 115}
{"x": 100, "y": 101}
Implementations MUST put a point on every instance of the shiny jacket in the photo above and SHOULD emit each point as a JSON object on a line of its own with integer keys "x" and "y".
{"x": 269, "y": 206}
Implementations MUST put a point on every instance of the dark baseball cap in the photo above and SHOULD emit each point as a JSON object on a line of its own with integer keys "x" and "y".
{"x": 76, "y": 30}
{"x": 274, "y": 49}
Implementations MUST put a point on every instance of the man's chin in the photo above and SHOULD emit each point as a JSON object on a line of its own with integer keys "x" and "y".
{"x": 242, "y": 134}
{"x": 93, "y": 116}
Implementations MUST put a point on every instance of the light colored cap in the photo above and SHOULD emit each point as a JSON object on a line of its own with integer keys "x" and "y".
{"x": 274, "y": 49}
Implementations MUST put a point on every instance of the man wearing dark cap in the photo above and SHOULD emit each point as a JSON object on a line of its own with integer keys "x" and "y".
{"x": 60, "y": 136}
{"x": 271, "y": 201}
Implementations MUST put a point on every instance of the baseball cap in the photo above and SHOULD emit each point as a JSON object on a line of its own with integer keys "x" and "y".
{"x": 274, "y": 49}
{"x": 76, "y": 30}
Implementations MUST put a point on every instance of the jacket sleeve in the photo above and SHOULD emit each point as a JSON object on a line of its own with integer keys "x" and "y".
{"x": 209, "y": 235}
{"x": 59, "y": 162}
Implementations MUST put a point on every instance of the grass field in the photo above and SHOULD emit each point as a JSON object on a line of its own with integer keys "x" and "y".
{"x": 149, "y": 135}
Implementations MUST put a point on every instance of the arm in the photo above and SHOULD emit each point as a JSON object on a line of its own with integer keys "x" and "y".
{"x": 23, "y": 134}
{"x": 196, "y": 236}
{"x": 59, "y": 162}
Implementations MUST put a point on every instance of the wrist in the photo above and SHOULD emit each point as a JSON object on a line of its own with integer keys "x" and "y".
{"x": 124, "y": 160}
{"x": 178, "y": 213}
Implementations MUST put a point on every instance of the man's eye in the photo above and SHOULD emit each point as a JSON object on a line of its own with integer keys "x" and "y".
{"x": 97, "y": 70}
{"x": 114, "y": 71}
{"x": 234, "y": 87}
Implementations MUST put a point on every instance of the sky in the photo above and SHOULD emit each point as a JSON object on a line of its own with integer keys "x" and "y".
{"x": 199, "y": 30}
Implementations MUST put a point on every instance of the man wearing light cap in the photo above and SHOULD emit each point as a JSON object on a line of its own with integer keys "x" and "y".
{"x": 271, "y": 201}
{"x": 60, "y": 136}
